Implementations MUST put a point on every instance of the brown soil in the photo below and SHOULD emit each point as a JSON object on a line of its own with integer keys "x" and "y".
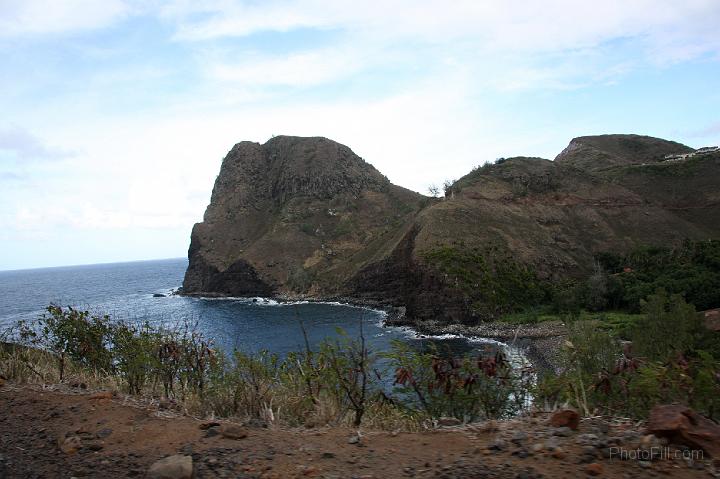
{"x": 122, "y": 438}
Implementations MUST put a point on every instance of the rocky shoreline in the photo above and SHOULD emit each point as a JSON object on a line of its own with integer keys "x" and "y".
{"x": 540, "y": 342}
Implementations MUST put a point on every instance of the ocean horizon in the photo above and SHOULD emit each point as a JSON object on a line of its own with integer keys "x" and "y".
{"x": 129, "y": 291}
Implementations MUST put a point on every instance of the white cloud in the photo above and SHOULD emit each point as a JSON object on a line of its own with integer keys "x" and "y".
{"x": 157, "y": 172}
{"x": 424, "y": 90}
{"x": 299, "y": 69}
{"x": 528, "y": 44}
{"x": 23, "y": 145}
{"x": 525, "y": 26}
{"x": 51, "y": 16}
{"x": 221, "y": 18}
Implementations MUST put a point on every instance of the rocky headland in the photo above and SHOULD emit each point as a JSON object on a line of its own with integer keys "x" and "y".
{"x": 307, "y": 218}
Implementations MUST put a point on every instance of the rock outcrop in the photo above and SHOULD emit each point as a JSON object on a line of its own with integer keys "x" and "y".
{"x": 306, "y": 217}
{"x": 606, "y": 151}
{"x": 681, "y": 425}
{"x": 295, "y": 216}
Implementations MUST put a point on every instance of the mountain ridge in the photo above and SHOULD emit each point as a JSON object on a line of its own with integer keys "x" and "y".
{"x": 306, "y": 217}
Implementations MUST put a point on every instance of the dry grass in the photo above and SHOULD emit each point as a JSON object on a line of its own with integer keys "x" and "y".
{"x": 284, "y": 407}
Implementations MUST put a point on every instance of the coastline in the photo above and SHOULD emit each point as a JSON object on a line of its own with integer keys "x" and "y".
{"x": 540, "y": 343}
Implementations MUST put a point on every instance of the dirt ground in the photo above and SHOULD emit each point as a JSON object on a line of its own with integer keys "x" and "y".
{"x": 58, "y": 432}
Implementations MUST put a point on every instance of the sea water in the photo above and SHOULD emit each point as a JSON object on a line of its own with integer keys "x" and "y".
{"x": 127, "y": 291}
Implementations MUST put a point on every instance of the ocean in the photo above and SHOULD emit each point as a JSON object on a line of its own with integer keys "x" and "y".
{"x": 125, "y": 291}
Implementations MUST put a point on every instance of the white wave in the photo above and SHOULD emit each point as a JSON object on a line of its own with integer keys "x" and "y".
{"x": 263, "y": 301}
{"x": 515, "y": 355}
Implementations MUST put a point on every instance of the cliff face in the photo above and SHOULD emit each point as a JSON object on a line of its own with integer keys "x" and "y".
{"x": 305, "y": 216}
{"x": 295, "y": 216}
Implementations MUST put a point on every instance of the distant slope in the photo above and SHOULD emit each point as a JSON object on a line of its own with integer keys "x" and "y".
{"x": 604, "y": 151}
{"x": 305, "y": 216}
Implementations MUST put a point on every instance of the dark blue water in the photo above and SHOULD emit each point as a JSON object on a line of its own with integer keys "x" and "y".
{"x": 125, "y": 291}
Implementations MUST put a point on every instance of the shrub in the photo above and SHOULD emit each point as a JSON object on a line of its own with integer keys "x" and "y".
{"x": 665, "y": 362}
{"x": 492, "y": 282}
{"x": 71, "y": 334}
{"x": 691, "y": 269}
{"x": 340, "y": 382}
{"x": 669, "y": 327}
{"x": 467, "y": 388}
{"x": 134, "y": 351}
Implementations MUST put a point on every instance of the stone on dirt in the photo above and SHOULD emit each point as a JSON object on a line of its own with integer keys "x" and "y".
{"x": 207, "y": 425}
{"x": 233, "y": 431}
{"x": 69, "y": 445}
{"x": 681, "y": 425}
{"x": 594, "y": 469}
{"x": 173, "y": 467}
{"x": 102, "y": 395}
{"x": 565, "y": 418}
{"x": 448, "y": 421}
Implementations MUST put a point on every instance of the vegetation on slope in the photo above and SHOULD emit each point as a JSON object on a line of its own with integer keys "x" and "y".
{"x": 492, "y": 282}
{"x": 340, "y": 382}
{"x": 692, "y": 270}
{"x": 496, "y": 286}
{"x": 671, "y": 358}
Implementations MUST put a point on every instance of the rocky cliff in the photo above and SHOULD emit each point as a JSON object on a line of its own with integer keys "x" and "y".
{"x": 295, "y": 216}
{"x": 307, "y": 217}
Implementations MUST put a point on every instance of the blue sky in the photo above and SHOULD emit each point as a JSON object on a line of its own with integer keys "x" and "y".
{"x": 117, "y": 113}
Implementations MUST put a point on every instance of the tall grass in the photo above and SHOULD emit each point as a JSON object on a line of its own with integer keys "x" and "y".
{"x": 340, "y": 382}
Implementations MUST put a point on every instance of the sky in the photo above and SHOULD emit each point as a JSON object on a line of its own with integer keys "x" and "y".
{"x": 116, "y": 114}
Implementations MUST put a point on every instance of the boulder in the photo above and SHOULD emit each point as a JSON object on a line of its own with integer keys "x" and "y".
{"x": 711, "y": 319}
{"x": 565, "y": 418}
{"x": 207, "y": 425}
{"x": 448, "y": 421}
{"x": 173, "y": 467}
{"x": 681, "y": 425}
{"x": 594, "y": 469}
{"x": 101, "y": 395}
{"x": 233, "y": 431}
{"x": 69, "y": 445}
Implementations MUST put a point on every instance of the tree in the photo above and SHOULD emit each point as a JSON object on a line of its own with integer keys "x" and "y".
{"x": 434, "y": 191}
{"x": 448, "y": 189}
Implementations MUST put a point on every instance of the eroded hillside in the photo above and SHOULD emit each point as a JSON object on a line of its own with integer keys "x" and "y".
{"x": 307, "y": 217}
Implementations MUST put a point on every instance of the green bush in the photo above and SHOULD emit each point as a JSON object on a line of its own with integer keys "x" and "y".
{"x": 671, "y": 358}
{"x": 467, "y": 388}
{"x": 340, "y": 382}
{"x": 73, "y": 335}
{"x": 670, "y": 327}
{"x": 691, "y": 269}
{"x": 492, "y": 282}
{"x": 135, "y": 354}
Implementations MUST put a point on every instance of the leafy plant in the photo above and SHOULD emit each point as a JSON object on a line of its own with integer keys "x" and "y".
{"x": 664, "y": 362}
{"x": 691, "y": 269}
{"x": 491, "y": 280}
{"x": 466, "y": 388}
{"x": 71, "y": 334}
